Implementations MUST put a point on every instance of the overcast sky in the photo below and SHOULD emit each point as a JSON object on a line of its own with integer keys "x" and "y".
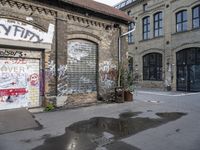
{"x": 109, "y": 2}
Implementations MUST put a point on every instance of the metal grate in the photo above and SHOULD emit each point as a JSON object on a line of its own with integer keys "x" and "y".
{"x": 81, "y": 66}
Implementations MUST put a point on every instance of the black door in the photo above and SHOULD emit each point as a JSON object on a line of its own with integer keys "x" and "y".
{"x": 188, "y": 70}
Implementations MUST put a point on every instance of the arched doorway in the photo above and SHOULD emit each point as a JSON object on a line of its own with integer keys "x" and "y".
{"x": 188, "y": 70}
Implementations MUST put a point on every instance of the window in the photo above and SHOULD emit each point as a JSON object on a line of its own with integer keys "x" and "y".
{"x": 158, "y": 24}
{"x": 146, "y": 28}
{"x": 145, "y": 7}
{"x": 129, "y": 13}
{"x": 181, "y": 21}
{"x": 130, "y": 35}
{"x": 196, "y": 17}
{"x": 152, "y": 67}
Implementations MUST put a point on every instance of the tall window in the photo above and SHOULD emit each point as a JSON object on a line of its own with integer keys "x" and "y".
{"x": 181, "y": 21}
{"x": 130, "y": 35}
{"x": 146, "y": 28}
{"x": 152, "y": 67}
{"x": 196, "y": 17}
{"x": 158, "y": 24}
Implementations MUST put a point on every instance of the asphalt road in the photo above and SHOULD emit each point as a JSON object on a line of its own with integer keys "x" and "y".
{"x": 60, "y": 127}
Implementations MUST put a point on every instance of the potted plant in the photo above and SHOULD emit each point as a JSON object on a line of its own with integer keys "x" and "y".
{"x": 128, "y": 86}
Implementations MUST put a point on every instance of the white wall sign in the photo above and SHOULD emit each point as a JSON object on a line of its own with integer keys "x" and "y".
{"x": 16, "y": 30}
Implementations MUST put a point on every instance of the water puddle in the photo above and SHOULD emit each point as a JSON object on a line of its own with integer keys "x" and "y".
{"x": 102, "y": 133}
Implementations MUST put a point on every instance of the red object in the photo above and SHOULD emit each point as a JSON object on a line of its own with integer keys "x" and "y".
{"x": 13, "y": 92}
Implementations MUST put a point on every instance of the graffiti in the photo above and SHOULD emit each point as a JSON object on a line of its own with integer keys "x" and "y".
{"x": 19, "y": 86}
{"x": 16, "y": 30}
{"x": 77, "y": 51}
{"x": 108, "y": 73}
{"x": 85, "y": 80}
{"x": 62, "y": 70}
{"x": 11, "y": 53}
{"x": 51, "y": 69}
{"x": 34, "y": 79}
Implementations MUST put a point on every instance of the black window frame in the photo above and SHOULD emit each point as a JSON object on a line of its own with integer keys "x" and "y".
{"x": 182, "y": 21}
{"x": 130, "y": 35}
{"x": 156, "y": 66}
{"x": 159, "y": 23}
{"x": 146, "y": 25}
{"x": 195, "y": 18}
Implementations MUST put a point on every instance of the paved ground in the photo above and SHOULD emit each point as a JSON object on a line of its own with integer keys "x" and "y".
{"x": 181, "y": 134}
{"x": 16, "y": 120}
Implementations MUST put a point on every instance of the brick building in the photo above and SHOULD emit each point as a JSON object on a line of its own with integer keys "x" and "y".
{"x": 58, "y": 50}
{"x": 165, "y": 48}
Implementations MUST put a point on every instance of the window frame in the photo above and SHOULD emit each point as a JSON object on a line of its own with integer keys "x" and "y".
{"x": 130, "y": 35}
{"x": 182, "y": 21}
{"x": 157, "y": 65}
{"x": 195, "y": 18}
{"x": 159, "y": 28}
{"x": 146, "y": 24}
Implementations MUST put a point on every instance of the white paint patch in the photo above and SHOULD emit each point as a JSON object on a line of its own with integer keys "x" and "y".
{"x": 16, "y": 30}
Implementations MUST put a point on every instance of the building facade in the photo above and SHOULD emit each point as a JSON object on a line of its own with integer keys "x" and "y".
{"x": 165, "y": 48}
{"x": 58, "y": 50}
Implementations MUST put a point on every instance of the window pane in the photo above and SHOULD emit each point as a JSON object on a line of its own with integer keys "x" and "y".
{"x": 145, "y": 36}
{"x": 146, "y": 73}
{"x": 146, "y": 61}
{"x": 196, "y": 12}
{"x": 152, "y": 71}
{"x": 160, "y": 23}
{"x": 156, "y": 25}
{"x": 178, "y": 17}
{"x": 148, "y": 27}
{"x": 184, "y": 26}
{"x": 160, "y": 15}
{"x": 196, "y": 23}
{"x": 184, "y": 15}
{"x": 156, "y": 17}
{"x": 178, "y": 27}
{"x": 156, "y": 33}
{"x": 161, "y": 31}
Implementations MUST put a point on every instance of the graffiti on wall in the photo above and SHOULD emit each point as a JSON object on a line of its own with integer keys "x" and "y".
{"x": 15, "y": 30}
{"x": 108, "y": 73}
{"x": 19, "y": 85}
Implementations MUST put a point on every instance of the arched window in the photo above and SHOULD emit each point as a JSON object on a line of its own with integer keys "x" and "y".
{"x": 158, "y": 24}
{"x": 181, "y": 21}
{"x": 152, "y": 67}
{"x": 146, "y": 28}
{"x": 196, "y": 17}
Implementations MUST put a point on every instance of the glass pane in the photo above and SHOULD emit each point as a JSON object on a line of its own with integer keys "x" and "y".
{"x": 160, "y": 32}
{"x": 152, "y": 71}
{"x": 191, "y": 56}
{"x": 196, "y": 12}
{"x": 146, "y": 73}
{"x": 178, "y": 17}
{"x": 148, "y": 27}
{"x": 148, "y": 19}
{"x": 152, "y": 59}
{"x": 160, "y": 23}
{"x": 156, "y": 34}
{"x": 156, "y": 25}
{"x": 198, "y": 56}
{"x": 184, "y": 26}
{"x": 145, "y": 36}
{"x": 180, "y": 58}
{"x": 146, "y": 61}
{"x": 179, "y": 27}
{"x": 160, "y": 16}
{"x": 156, "y": 17}
{"x": 196, "y": 23}
{"x": 184, "y": 15}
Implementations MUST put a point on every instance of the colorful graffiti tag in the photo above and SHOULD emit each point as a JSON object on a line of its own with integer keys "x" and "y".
{"x": 19, "y": 85}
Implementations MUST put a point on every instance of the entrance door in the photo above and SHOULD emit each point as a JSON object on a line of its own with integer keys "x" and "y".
{"x": 188, "y": 70}
{"x": 19, "y": 83}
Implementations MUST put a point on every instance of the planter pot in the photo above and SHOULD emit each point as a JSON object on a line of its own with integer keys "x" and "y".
{"x": 128, "y": 96}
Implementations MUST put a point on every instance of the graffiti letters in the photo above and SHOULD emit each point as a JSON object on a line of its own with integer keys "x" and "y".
{"x": 16, "y": 30}
{"x": 11, "y": 53}
{"x": 21, "y": 32}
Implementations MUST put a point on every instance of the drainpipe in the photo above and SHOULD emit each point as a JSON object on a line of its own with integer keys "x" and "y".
{"x": 119, "y": 51}
{"x": 56, "y": 55}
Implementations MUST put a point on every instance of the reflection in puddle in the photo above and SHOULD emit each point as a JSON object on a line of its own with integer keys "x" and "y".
{"x": 102, "y": 133}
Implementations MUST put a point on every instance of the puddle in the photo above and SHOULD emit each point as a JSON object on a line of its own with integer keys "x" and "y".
{"x": 102, "y": 133}
{"x": 129, "y": 114}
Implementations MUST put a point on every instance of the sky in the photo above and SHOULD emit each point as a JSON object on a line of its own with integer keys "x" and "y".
{"x": 109, "y": 2}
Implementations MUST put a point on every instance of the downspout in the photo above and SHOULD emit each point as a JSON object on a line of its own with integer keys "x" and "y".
{"x": 56, "y": 55}
{"x": 119, "y": 57}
